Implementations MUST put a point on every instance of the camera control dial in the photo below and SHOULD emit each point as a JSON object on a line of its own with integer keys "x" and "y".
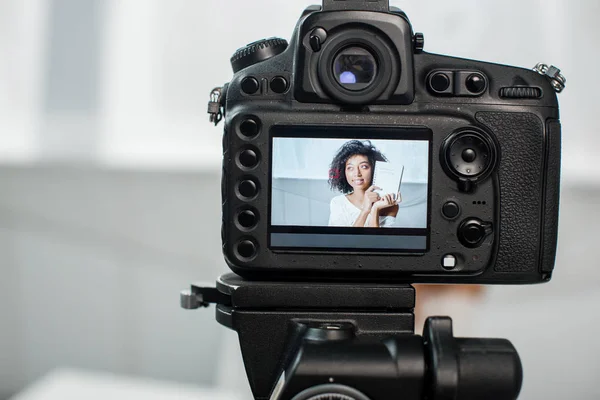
{"x": 468, "y": 156}
{"x": 256, "y": 52}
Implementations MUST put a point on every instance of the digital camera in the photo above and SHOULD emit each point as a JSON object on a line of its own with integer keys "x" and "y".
{"x": 352, "y": 154}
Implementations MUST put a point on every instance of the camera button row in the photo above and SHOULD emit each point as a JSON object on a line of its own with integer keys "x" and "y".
{"x": 457, "y": 83}
{"x": 250, "y": 85}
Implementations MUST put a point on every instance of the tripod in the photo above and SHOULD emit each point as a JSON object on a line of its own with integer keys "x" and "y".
{"x": 353, "y": 341}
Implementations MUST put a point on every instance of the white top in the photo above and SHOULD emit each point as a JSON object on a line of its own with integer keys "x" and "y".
{"x": 343, "y": 213}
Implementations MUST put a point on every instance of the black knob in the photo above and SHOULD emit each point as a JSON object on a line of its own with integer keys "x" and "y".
{"x": 473, "y": 231}
{"x": 469, "y": 155}
{"x": 317, "y": 37}
{"x": 246, "y": 249}
{"x": 256, "y": 52}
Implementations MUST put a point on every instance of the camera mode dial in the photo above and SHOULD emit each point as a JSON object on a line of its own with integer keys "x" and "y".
{"x": 256, "y": 52}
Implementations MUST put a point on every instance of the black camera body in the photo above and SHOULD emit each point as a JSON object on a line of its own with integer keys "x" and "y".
{"x": 474, "y": 146}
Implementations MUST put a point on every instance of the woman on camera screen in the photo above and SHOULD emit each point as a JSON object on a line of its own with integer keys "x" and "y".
{"x": 359, "y": 205}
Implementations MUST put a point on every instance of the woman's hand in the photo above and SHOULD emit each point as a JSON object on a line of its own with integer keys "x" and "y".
{"x": 388, "y": 200}
{"x": 370, "y": 198}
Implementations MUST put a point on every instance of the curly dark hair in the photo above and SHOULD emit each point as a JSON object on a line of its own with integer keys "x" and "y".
{"x": 337, "y": 169}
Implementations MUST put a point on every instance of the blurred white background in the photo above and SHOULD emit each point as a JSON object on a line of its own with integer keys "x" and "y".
{"x": 109, "y": 176}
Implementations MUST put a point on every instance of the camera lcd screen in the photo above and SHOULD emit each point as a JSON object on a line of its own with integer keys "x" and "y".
{"x": 350, "y": 189}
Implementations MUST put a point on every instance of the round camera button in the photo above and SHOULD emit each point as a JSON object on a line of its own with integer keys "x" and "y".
{"x": 475, "y": 83}
{"x": 250, "y": 85}
{"x": 439, "y": 82}
{"x": 249, "y": 127}
{"x": 248, "y": 218}
{"x": 248, "y": 158}
{"x": 279, "y": 84}
{"x": 246, "y": 248}
{"x": 248, "y": 189}
{"x": 450, "y": 210}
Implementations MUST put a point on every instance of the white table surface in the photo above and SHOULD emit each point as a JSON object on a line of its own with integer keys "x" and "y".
{"x": 66, "y": 384}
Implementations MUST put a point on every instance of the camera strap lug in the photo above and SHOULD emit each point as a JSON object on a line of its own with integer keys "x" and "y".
{"x": 553, "y": 74}
{"x": 215, "y": 105}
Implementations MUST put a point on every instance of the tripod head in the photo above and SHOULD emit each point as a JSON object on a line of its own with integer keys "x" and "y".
{"x": 306, "y": 340}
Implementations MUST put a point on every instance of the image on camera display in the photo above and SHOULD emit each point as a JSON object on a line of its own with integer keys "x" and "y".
{"x": 319, "y": 175}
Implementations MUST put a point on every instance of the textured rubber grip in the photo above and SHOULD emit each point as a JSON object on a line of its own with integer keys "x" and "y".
{"x": 520, "y": 179}
{"x": 553, "y": 138}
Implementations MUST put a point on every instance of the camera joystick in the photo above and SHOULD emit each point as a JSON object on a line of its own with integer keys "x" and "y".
{"x": 468, "y": 156}
{"x": 472, "y": 232}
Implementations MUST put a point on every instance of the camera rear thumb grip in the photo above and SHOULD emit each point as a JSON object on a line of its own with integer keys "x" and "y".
{"x": 469, "y": 368}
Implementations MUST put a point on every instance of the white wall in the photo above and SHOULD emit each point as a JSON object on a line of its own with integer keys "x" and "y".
{"x": 22, "y": 50}
{"x": 160, "y": 59}
{"x": 304, "y": 158}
